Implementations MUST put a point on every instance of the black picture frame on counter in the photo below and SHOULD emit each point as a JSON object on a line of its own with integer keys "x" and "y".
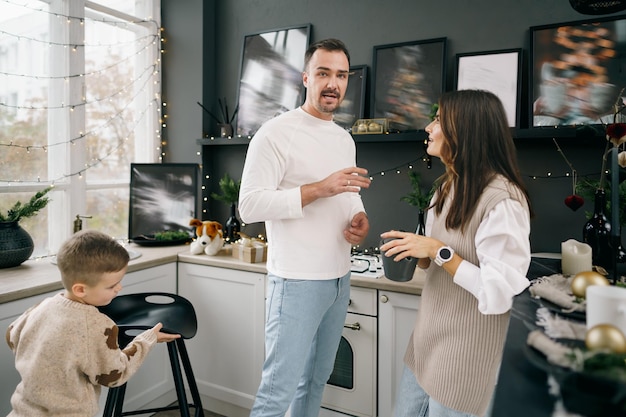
{"x": 576, "y": 72}
{"x": 408, "y": 79}
{"x": 270, "y": 78}
{"x": 352, "y": 107}
{"x": 499, "y": 72}
{"x": 163, "y": 197}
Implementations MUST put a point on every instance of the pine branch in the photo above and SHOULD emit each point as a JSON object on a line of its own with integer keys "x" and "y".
{"x": 230, "y": 190}
{"x": 19, "y": 210}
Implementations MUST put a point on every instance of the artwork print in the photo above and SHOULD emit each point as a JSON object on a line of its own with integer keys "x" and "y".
{"x": 408, "y": 80}
{"x": 270, "y": 81}
{"x": 577, "y": 72}
{"x": 162, "y": 197}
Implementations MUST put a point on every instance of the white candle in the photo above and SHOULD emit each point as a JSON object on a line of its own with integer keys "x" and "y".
{"x": 575, "y": 257}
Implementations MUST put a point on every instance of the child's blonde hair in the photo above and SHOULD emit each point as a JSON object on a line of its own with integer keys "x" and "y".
{"x": 88, "y": 254}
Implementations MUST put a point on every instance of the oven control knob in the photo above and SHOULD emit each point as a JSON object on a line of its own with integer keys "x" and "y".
{"x": 384, "y": 298}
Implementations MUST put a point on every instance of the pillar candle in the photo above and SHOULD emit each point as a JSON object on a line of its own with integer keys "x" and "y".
{"x": 575, "y": 257}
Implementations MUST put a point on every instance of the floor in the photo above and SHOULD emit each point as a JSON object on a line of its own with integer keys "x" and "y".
{"x": 176, "y": 413}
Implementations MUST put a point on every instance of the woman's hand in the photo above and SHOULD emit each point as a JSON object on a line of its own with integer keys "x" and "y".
{"x": 405, "y": 244}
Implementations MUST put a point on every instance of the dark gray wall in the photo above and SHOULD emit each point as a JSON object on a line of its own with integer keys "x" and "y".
{"x": 468, "y": 25}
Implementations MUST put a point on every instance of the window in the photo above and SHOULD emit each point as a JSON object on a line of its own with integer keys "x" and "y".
{"x": 80, "y": 88}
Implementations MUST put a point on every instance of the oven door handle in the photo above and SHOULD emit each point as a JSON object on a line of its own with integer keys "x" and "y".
{"x": 354, "y": 326}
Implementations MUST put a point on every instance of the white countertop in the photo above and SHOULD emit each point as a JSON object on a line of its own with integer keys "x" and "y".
{"x": 39, "y": 276}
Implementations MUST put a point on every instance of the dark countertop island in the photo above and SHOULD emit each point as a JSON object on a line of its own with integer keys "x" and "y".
{"x": 522, "y": 388}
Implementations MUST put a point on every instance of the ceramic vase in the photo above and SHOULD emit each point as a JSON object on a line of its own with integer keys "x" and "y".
{"x": 16, "y": 245}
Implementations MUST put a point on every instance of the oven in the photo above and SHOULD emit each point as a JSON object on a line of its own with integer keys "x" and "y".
{"x": 351, "y": 388}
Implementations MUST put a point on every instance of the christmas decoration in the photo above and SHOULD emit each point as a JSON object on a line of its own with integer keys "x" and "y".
{"x": 605, "y": 337}
{"x": 584, "y": 279}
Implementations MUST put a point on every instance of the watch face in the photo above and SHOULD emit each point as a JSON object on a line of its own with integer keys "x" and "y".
{"x": 444, "y": 253}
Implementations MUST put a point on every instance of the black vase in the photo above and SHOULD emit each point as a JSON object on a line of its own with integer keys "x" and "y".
{"x": 16, "y": 245}
{"x": 421, "y": 224}
{"x": 597, "y": 234}
{"x": 233, "y": 225}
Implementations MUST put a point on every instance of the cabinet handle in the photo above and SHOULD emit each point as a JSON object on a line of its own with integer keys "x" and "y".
{"x": 384, "y": 298}
{"x": 355, "y": 326}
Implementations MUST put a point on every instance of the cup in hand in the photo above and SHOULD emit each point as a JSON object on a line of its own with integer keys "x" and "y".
{"x": 606, "y": 304}
{"x": 402, "y": 270}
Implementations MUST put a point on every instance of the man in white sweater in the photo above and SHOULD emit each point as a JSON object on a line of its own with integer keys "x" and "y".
{"x": 300, "y": 177}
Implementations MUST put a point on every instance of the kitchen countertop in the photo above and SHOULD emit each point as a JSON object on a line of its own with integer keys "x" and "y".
{"x": 39, "y": 276}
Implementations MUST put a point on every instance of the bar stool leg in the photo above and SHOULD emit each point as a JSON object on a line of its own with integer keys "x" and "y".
{"x": 109, "y": 406}
{"x": 178, "y": 379}
{"x": 191, "y": 380}
{"x": 119, "y": 401}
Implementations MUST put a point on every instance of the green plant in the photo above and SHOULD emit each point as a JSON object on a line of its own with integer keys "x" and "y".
{"x": 171, "y": 235}
{"x": 587, "y": 188}
{"x": 229, "y": 189}
{"x": 19, "y": 210}
{"x": 418, "y": 198}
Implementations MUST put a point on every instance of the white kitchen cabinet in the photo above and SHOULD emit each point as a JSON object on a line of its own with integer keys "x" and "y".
{"x": 396, "y": 318}
{"x": 152, "y": 381}
{"x": 227, "y": 353}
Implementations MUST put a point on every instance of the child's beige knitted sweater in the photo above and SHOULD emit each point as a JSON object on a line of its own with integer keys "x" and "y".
{"x": 64, "y": 351}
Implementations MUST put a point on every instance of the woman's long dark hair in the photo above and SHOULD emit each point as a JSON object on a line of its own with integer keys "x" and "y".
{"x": 478, "y": 146}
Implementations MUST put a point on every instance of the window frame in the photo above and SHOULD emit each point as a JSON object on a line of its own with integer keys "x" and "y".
{"x": 70, "y": 194}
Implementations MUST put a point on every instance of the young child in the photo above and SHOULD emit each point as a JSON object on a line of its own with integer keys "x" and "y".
{"x": 64, "y": 347}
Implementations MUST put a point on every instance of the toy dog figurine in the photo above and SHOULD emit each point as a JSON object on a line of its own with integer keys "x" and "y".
{"x": 209, "y": 237}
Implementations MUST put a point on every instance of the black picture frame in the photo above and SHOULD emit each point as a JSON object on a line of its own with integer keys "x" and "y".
{"x": 352, "y": 107}
{"x": 162, "y": 197}
{"x": 576, "y": 71}
{"x": 499, "y": 72}
{"x": 408, "y": 79}
{"x": 270, "y": 77}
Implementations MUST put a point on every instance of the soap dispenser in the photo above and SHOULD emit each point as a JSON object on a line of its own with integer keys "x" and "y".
{"x": 78, "y": 223}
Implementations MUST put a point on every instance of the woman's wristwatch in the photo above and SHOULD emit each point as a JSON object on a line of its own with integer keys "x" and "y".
{"x": 444, "y": 254}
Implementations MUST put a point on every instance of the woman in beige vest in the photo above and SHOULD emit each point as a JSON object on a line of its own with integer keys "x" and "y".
{"x": 476, "y": 253}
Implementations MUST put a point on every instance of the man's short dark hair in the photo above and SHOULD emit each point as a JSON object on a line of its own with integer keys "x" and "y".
{"x": 330, "y": 44}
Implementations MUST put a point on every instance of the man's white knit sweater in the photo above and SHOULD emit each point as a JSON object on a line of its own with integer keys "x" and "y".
{"x": 293, "y": 149}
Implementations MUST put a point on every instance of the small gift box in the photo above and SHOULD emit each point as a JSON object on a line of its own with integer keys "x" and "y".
{"x": 249, "y": 251}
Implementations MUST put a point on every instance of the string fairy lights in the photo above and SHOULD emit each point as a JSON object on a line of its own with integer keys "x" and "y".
{"x": 114, "y": 114}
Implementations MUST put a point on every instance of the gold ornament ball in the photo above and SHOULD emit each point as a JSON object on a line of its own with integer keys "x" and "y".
{"x": 374, "y": 127}
{"x": 605, "y": 336}
{"x": 582, "y": 280}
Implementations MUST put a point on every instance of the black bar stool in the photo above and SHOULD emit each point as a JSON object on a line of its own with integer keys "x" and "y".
{"x": 143, "y": 311}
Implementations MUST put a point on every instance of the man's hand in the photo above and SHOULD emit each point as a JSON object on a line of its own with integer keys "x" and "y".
{"x": 358, "y": 229}
{"x": 348, "y": 180}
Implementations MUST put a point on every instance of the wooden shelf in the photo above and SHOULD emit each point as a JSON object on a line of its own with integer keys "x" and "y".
{"x": 219, "y": 141}
{"x": 576, "y": 133}
{"x": 414, "y": 136}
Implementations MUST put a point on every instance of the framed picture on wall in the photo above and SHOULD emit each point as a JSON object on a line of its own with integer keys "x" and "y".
{"x": 577, "y": 71}
{"x": 352, "y": 107}
{"x": 408, "y": 80}
{"x": 163, "y": 197}
{"x": 497, "y": 71}
{"x": 270, "y": 80}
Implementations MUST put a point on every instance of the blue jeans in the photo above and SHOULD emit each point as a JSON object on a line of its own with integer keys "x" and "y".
{"x": 302, "y": 332}
{"x": 413, "y": 401}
